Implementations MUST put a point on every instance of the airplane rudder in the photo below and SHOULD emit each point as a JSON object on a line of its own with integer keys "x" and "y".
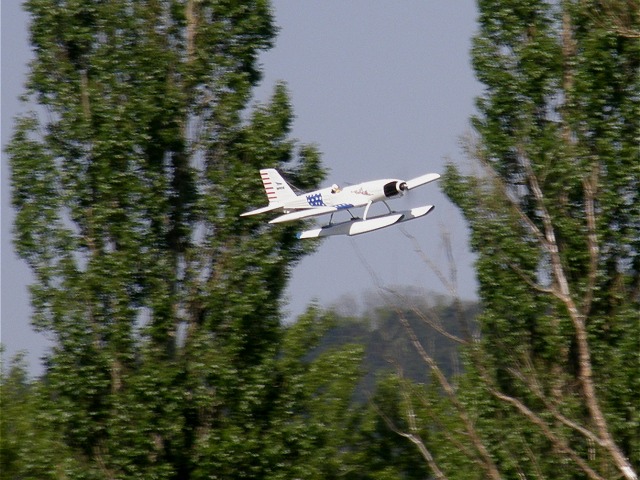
{"x": 276, "y": 187}
{"x": 269, "y": 184}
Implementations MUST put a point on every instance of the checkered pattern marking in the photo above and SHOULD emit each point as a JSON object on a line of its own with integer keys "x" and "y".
{"x": 315, "y": 200}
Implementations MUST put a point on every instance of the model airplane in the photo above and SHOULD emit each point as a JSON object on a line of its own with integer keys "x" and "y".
{"x": 328, "y": 201}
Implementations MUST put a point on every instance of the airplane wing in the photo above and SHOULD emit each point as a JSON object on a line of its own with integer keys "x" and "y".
{"x": 421, "y": 180}
{"x": 261, "y": 210}
{"x": 299, "y": 215}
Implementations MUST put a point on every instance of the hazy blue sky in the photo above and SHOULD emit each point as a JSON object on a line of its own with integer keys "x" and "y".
{"x": 385, "y": 89}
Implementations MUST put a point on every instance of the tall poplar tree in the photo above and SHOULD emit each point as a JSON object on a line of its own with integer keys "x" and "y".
{"x": 555, "y": 221}
{"x": 551, "y": 382}
{"x": 163, "y": 306}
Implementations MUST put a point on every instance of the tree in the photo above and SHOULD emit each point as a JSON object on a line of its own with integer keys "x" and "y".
{"x": 163, "y": 306}
{"x": 550, "y": 386}
{"x": 555, "y": 222}
{"x": 25, "y": 441}
{"x": 396, "y": 382}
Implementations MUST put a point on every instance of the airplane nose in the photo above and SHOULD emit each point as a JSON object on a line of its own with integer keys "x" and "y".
{"x": 395, "y": 188}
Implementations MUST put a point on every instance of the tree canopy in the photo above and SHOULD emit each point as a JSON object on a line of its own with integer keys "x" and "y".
{"x": 168, "y": 359}
{"x": 555, "y": 219}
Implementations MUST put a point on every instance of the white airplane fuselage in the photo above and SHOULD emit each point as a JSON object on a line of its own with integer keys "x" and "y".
{"x": 349, "y": 197}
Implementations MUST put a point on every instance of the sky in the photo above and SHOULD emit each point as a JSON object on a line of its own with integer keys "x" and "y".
{"x": 383, "y": 89}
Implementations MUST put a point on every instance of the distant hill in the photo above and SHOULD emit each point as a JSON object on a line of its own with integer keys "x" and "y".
{"x": 388, "y": 347}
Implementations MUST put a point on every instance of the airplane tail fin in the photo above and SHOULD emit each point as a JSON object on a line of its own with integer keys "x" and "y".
{"x": 276, "y": 188}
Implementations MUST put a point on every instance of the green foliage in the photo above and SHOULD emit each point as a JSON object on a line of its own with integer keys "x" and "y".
{"x": 30, "y": 447}
{"x": 381, "y": 453}
{"x": 555, "y": 225}
{"x": 397, "y": 393}
{"x": 169, "y": 360}
{"x": 386, "y": 343}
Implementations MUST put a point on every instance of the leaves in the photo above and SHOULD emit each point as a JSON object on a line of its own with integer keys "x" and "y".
{"x": 169, "y": 359}
{"x": 551, "y": 137}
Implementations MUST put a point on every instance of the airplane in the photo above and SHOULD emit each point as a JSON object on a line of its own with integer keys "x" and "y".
{"x": 328, "y": 201}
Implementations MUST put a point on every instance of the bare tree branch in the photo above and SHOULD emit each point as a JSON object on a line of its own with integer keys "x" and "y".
{"x": 548, "y": 433}
{"x": 487, "y": 461}
{"x": 531, "y": 382}
{"x": 590, "y": 189}
{"x": 529, "y": 281}
{"x": 617, "y": 15}
{"x": 414, "y": 438}
{"x": 450, "y": 284}
{"x": 428, "y": 318}
{"x": 579, "y": 323}
{"x": 192, "y": 21}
